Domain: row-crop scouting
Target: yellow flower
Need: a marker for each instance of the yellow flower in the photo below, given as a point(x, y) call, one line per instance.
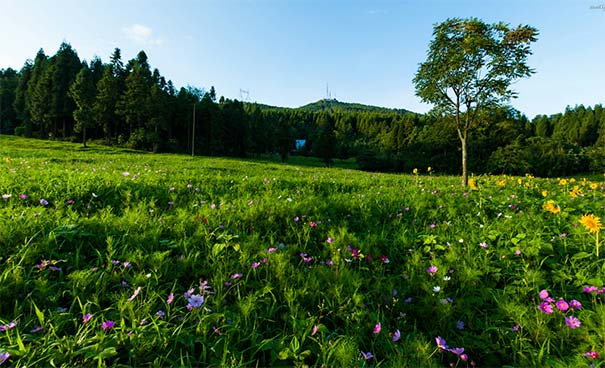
point(563, 181)
point(593, 186)
point(572, 180)
point(501, 183)
point(471, 183)
point(429, 169)
point(544, 193)
point(415, 171)
point(519, 181)
point(575, 192)
point(551, 207)
point(591, 223)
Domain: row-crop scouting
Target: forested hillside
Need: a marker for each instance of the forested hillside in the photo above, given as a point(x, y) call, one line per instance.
point(130, 104)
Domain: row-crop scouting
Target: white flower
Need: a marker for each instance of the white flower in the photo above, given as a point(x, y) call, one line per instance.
point(436, 289)
point(446, 278)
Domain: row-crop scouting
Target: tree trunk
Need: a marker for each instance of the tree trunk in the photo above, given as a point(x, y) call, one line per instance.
point(464, 168)
point(84, 136)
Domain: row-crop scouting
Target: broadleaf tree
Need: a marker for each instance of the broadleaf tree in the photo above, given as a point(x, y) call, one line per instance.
point(470, 67)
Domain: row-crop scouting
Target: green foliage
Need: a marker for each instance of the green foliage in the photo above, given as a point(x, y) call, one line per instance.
point(296, 268)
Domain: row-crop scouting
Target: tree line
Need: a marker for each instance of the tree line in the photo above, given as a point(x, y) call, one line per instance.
point(128, 104)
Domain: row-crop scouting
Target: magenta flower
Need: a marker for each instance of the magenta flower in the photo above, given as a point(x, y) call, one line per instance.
point(546, 307)
point(306, 258)
point(572, 322)
point(271, 250)
point(107, 325)
point(86, 317)
point(377, 328)
point(170, 299)
point(562, 305)
point(592, 354)
point(543, 294)
point(575, 304)
point(23, 196)
point(396, 336)
point(255, 264)
point(329, 263)
point(464, 357)
point(515, 328)
point(432, 270)
point(312, 224)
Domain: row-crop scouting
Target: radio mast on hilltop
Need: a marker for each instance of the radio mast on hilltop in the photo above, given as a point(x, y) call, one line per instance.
point(328, 93)
point(244, 95)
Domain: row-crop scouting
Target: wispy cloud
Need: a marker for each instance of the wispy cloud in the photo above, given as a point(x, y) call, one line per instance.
point(142, 35)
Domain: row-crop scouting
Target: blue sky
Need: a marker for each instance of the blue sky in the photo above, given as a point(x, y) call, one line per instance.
point(286, 52)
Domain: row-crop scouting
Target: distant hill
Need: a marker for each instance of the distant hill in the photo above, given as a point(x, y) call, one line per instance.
point(338, 106)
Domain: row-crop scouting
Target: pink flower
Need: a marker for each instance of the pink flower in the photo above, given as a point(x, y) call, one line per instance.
point(170, 299)
point(543, 294)
point(315, 328)
point(330, 240)
point(86, 317)
point(134, 295)
point(432, 270)
point(562, 305)
point(107, 325)
point(377, 328)
point(255, 264)
point(592, 354)
point(575, 304)
point(546, 307)
point(312, 224)
point(572, 322)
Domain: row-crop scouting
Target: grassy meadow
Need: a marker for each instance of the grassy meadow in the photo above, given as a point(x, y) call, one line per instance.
point(120, 258)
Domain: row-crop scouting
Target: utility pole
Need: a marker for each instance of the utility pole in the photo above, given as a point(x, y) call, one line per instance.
point(193, 133)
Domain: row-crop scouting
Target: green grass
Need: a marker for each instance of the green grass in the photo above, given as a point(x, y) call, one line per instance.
point(297, 265)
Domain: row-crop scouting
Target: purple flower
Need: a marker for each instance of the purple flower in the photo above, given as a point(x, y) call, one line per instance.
point(543, 294)
point(43, 202)
point(315, 328)
point(70, 202)
point(546, 307)
point(367, 356)
point(170, 298)
point(271, 250)
point(127, 264)
point(515, 328)
point(377, 328)
point(296, 219)
point(107, 325)
point(562, 305)
point(590, 289)
point(255, 264)
point(38, 328)
point(396, 336)
point(460, 325)
point(441, 344)
point(330, 240)
point(115, 262)
point(306, 258)
point(23, 196)
point(575, 304)
point(456, 351)
point(432, 270)
point(572, 322)
point(86, 317)
point(160, 314)
point(4, 357)
point(329, 263)
point(195, 300)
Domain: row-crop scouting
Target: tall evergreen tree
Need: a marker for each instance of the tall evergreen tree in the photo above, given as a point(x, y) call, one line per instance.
point(83, 91)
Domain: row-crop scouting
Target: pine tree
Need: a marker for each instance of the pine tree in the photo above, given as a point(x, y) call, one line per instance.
point(83, 93)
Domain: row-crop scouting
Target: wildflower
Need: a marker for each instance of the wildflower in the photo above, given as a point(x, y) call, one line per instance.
point(396, 336)
point(270, 250)
point(546, 307)
point(575, 304)
point(367, 356)
point(592, 354)
point(436, 289)
point(125, 173)
point(446, 278)
point(134, 295)
point(4, 357)
point(195, 300)
point(456, 351)
point(306, 258)
point(160, 314)
point(589, 289)
point(36, 329)
point(115, 262)
point(107, 325)
point(543, 294)
point(315, 328)
point(384, 259)
point(377, 328)
point(428, 169)
point(572, 322)
point(563, 182)
point(236, 276)
point(23, 196)
point(170, 299)
point(216, 330)
point(255, 264)
point(6, 196)
point(591, 223)
point(464, 357)
point(415, 171)
point(43, 202)
point(296, 219)
point(432, 270)
point(483, 245)
point(460, 325)
point(550, 206)
point(330, 240)
point(441, 344)
point(329, 263)
point(562, 305)
point(515, 328)
point(86, 317)
point(471, 183)
point(312, 224)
